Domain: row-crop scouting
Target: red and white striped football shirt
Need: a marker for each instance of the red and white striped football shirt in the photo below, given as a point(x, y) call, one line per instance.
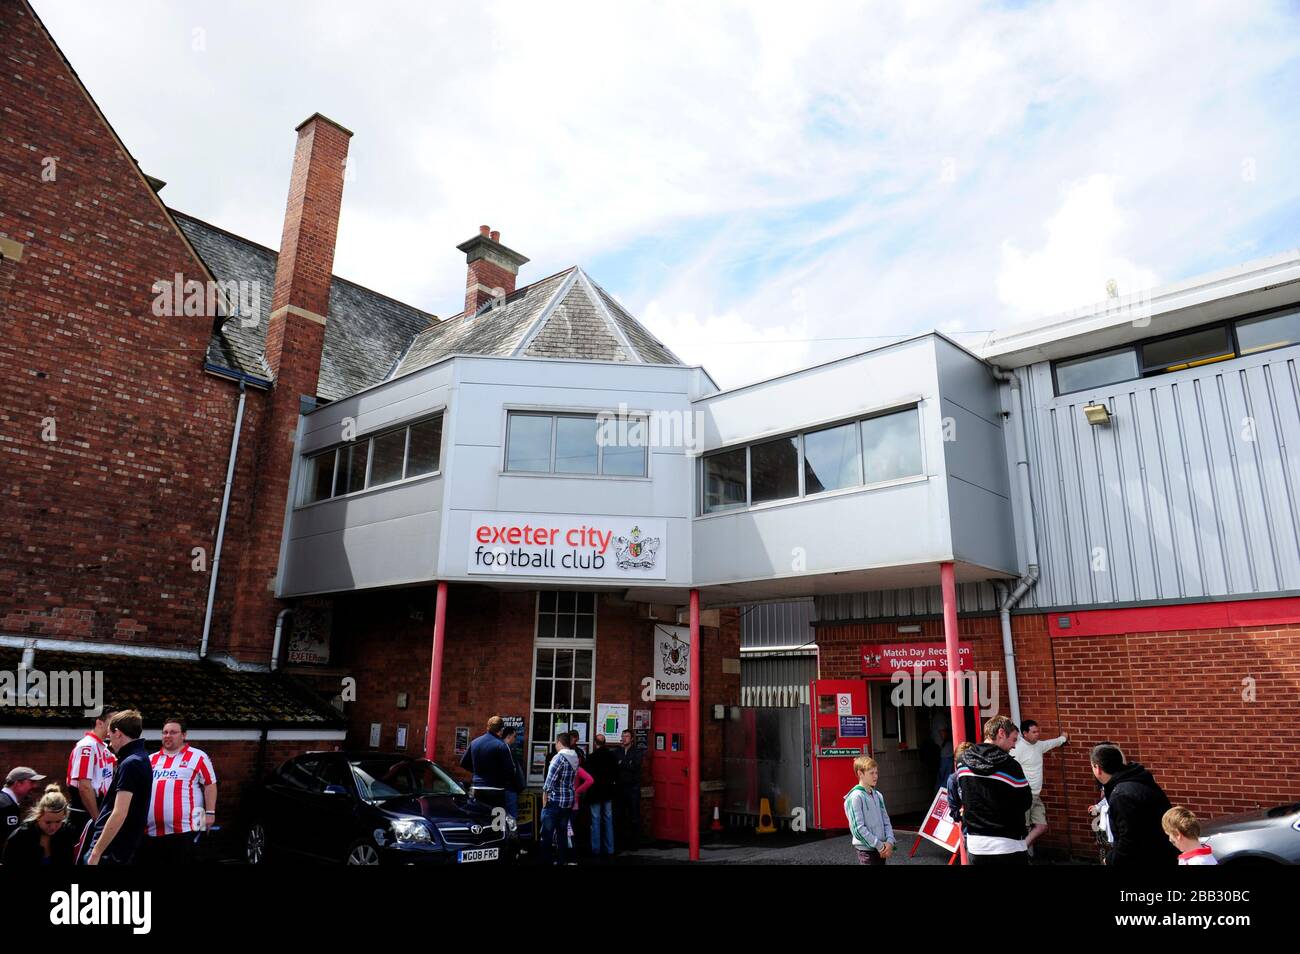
point(91, 759)
point(178, 781)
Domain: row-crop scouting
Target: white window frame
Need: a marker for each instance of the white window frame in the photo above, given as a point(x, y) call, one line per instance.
point(558, 642)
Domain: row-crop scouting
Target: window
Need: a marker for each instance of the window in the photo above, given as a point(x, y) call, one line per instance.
point(774, 470)
point(725, 480)
point(373, 461)
point(1080, 374)
point(578, 444)
point(528, 443)
point(891, 446)
point(831, 460)
point(1203, 346)
point(872, 450)
point(1268, 331)
point(564, 656)
point(1189, 349)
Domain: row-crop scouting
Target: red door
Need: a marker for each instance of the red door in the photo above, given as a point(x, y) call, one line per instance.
point(669, 766)
point(841, 731)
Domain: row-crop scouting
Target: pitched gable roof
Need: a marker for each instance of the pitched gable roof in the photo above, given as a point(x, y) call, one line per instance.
point(566, 315)
point(365, 335)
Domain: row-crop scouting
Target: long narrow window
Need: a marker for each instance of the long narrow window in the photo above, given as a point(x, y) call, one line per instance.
point(579, 444)
point(564, 673)
point(382, 458)
point(872, 450)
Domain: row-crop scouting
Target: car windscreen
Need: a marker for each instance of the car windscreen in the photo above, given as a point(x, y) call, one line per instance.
point(378, 779)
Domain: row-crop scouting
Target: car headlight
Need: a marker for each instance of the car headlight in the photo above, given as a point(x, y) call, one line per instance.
point(411, 831)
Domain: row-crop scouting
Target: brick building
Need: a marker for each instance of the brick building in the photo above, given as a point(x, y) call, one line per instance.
point(340, 498)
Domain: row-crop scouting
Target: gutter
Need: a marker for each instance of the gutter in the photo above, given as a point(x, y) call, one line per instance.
point(221, 524)
point(1009, 597)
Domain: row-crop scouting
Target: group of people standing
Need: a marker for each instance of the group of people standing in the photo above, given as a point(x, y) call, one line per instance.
point(122, 805)
point(607, 781)
point(994, 795)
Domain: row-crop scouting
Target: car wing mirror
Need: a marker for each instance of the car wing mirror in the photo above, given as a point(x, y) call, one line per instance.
point(335, 790)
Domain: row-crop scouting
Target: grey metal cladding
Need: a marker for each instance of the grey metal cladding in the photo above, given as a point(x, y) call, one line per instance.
point(365, 333)
point(972, 598)
point(1188, 493)
point(777, 624)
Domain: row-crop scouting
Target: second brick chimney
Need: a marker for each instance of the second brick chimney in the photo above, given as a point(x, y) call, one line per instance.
point(492, 269)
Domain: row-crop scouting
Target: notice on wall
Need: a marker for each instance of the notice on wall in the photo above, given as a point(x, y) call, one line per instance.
point(567, 545)
point(853, 727)
point(309, 632)
point(885, 659)
point(462, 739)
point(611, 720)
point(672, 662)
point(402, 729)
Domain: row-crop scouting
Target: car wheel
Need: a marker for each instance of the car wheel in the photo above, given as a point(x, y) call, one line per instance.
point(363, 852)
point(255, 846)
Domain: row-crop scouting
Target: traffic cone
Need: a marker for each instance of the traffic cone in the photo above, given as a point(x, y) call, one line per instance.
point(717, 820)
point(765, 826)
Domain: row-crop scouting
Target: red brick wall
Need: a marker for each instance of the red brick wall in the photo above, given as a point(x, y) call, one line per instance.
point(97, 527)
point(488, 665)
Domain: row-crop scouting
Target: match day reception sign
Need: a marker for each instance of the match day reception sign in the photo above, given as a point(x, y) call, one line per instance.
point(885, 659)
point(567, 545)
point(938, 826)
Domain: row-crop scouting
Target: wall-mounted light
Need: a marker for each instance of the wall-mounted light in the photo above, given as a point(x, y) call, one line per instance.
point(1096, 413)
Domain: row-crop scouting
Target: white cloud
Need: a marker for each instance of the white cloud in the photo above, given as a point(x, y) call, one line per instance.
point(1082, 253)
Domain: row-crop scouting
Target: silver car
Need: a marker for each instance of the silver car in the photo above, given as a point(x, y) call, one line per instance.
point(1267, 836)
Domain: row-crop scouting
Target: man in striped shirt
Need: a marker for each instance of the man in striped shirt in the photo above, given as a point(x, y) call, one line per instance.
point(184, 799)
point(90, 772)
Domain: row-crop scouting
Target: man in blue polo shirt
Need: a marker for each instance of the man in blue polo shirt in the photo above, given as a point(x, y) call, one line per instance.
point(121, 824)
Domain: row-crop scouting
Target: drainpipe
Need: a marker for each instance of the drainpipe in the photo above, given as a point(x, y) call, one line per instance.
point(1012, 596)
point(221, 523)
point(279, 629)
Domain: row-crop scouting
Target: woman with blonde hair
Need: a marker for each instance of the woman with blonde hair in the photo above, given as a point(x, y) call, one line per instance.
point(45, 838)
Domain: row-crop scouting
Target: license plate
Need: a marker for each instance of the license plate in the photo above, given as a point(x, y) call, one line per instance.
point(477, 854)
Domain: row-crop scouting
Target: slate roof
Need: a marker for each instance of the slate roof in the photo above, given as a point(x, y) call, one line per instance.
point(566, 315)
point(206, 694)
point(365, 334)
point(371, 338)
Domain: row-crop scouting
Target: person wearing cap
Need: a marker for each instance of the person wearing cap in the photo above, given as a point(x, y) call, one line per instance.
point(18, 785)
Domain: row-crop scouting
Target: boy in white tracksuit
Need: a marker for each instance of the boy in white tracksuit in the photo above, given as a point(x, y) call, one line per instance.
point(864, 807)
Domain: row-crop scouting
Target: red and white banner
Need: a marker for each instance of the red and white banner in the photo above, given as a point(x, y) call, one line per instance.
point(885, 659)
point(938, 827)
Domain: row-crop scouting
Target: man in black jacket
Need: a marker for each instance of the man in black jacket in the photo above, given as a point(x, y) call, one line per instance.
point(492, 765)
point(602, 766)
point(1136, 805)
point(995, 796)
point(628, 793)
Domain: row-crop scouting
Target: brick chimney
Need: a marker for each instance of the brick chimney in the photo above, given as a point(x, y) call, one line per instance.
point(492, 269)
point(305, 267)
point(295, 338)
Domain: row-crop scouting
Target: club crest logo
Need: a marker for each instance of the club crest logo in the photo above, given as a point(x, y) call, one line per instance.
point(635, 551)
point(676, 656)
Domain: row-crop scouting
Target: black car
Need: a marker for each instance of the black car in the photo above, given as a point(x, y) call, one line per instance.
point(371, 808)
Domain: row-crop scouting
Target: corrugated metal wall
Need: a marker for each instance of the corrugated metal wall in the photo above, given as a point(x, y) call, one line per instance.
point(768, 625)
point(1189, 492)
point(922, 601)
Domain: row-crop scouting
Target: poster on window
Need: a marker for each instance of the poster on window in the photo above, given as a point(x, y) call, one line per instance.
point(611, 720)
point(567, 545)
point(672, 662)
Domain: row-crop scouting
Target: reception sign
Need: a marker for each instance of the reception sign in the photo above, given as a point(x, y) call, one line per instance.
point(885, 659)
point(567, 545)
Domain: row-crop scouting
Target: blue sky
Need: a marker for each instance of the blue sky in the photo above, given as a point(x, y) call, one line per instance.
point(765, 184)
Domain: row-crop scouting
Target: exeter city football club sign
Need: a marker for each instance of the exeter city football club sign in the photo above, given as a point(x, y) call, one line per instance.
point(577, 547)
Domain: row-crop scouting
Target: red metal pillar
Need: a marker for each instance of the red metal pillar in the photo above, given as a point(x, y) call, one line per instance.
point(693, 773)
point(948, 580)
point(435, 671)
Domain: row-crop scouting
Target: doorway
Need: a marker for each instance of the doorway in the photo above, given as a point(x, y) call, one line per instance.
point(909, 731)
point(669, 766)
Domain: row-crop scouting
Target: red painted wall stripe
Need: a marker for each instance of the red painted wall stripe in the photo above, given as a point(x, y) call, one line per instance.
point(1151, 619)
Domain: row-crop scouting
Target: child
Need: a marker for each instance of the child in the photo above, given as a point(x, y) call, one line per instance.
point(873, 836)
point(1184, 832)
